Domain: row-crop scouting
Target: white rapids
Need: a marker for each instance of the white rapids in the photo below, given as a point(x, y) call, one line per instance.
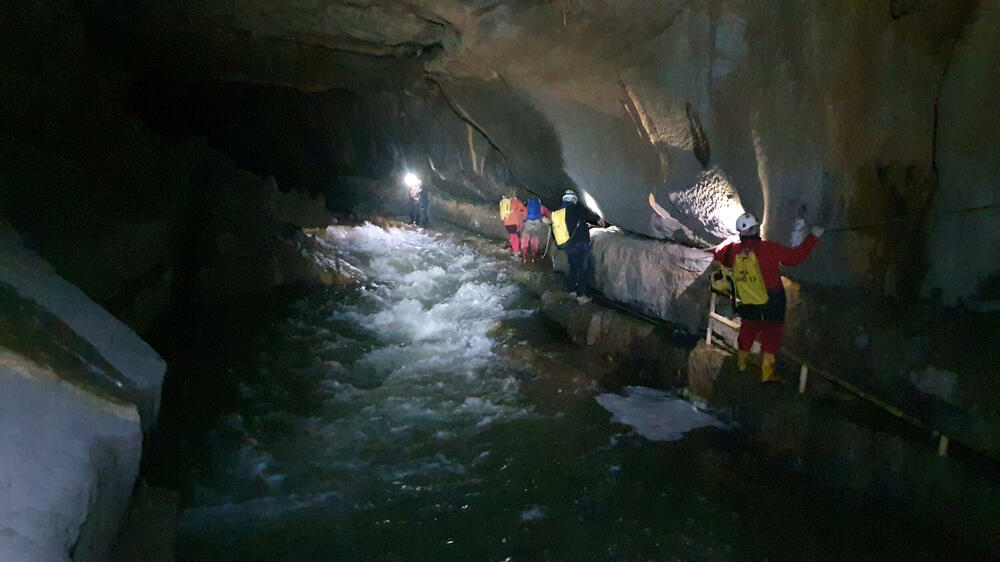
point(404, 366)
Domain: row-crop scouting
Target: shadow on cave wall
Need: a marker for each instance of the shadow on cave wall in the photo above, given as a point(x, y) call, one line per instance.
point(318, 142)
point(522, 134)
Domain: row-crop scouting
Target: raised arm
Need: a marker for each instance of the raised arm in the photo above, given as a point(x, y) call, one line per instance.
point(723, 253)
point(796, 255)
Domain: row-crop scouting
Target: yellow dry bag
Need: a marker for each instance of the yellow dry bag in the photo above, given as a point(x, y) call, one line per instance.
point(504, 208)
point(559, 229)
point(722, 281)
point(748, 280)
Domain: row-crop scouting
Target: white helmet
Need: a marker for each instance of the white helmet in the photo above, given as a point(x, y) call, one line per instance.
point(570, 196)
point(747, 224)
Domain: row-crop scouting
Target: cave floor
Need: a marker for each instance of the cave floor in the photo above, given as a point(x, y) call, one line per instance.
point(430, 413)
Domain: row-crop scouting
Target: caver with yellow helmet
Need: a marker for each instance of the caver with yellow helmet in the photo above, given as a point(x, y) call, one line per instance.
point(759, 292)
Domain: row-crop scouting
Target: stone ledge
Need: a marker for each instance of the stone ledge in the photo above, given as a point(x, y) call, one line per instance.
point(657, 278)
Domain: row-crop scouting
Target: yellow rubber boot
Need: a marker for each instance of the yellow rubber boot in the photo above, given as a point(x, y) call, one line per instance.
point(767, 369)
point(741, 360)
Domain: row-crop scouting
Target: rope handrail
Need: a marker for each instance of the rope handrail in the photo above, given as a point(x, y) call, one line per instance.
point(943, 440)
point(805, 368)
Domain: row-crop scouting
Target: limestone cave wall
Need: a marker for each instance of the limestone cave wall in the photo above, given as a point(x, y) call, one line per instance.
point(872, 119)
point(168, 154)
point(850, 115)
point(135, 134)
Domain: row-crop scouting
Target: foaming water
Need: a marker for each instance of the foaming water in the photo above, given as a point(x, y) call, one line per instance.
point(377, 422)
point(402, 366)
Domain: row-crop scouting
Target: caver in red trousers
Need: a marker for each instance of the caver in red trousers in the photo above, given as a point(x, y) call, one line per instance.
point(764, 322)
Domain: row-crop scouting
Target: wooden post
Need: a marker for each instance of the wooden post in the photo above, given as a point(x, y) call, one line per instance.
point(803, 377)
point(711, 312)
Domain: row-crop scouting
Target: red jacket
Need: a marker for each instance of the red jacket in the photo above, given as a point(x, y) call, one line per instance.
point(517, 213)
point(769, 255)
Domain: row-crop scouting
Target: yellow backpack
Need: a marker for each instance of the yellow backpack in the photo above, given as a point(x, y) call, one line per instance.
point(504, 208)
point(747, 279)
point(559, 229)
point(722, 281)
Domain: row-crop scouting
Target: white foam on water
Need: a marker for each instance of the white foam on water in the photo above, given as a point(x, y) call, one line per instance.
point(404, 368)
point(656, 415)
point(533, 513)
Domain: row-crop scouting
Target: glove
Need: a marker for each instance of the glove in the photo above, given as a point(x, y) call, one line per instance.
point(546, 220)
point(816, 231)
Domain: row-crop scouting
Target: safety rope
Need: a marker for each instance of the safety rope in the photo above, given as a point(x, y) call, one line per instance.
point(943, 440)
point(839, 381)
point(854, 389)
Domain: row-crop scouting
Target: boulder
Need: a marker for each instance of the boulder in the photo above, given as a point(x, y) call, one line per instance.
point(35, 280)
point(703, 369)
point(70, 460)
point(481, 218)
point(642, 350)
point(594, 325)
point(296, 207)
point(660, 279)
point(77, 391)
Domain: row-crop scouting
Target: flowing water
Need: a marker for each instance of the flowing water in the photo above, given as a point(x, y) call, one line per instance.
point(387, 421)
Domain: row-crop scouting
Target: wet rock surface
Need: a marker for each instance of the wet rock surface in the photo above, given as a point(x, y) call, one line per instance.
point(127, 366)
point(72, 459)
point(79, 390)
point(703, 370)
point(662, 280)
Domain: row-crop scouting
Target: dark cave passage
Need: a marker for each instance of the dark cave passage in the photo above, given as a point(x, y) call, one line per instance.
point(221, 340)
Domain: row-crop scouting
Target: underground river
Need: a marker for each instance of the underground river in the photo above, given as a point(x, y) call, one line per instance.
point(428, 412)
